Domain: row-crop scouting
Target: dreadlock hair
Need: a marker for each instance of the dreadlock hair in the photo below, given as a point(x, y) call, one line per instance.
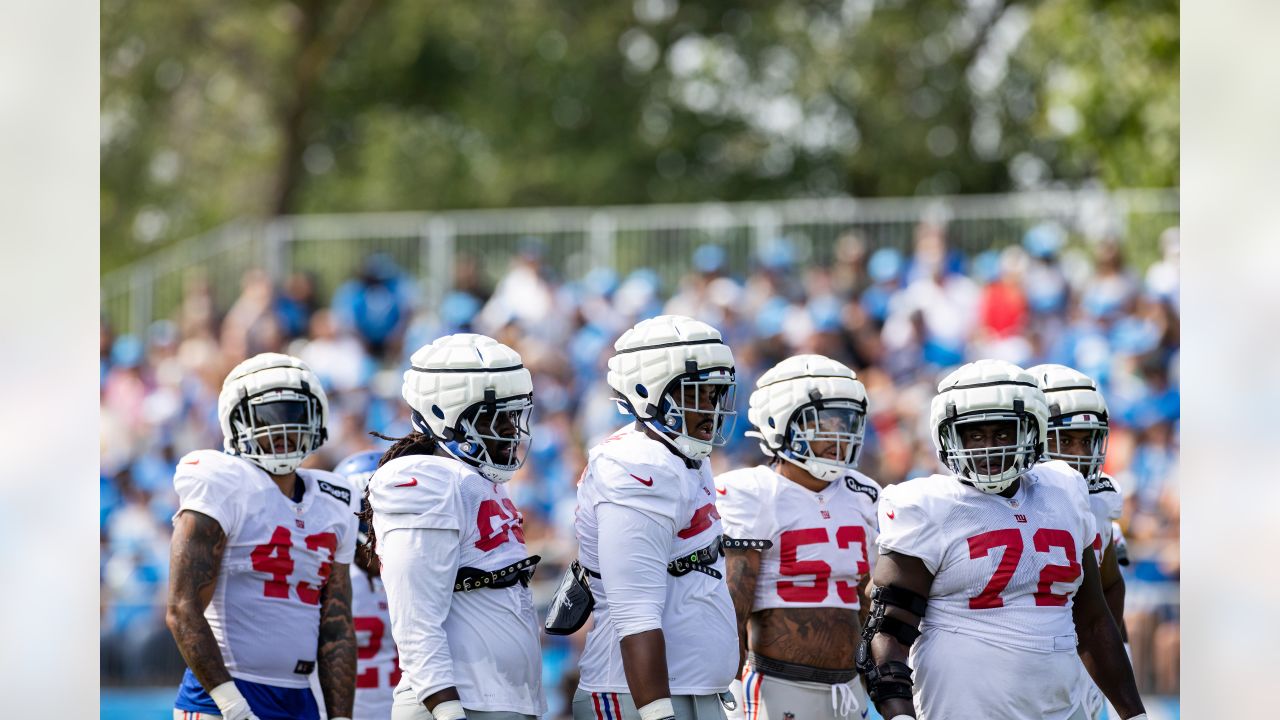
point(415, 443)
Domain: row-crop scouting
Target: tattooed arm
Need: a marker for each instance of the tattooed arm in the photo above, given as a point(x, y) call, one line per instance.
point(337, 651)
point(195, 556)
point(742, 567)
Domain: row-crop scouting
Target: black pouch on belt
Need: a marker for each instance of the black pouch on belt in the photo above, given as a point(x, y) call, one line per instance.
point(572, 604)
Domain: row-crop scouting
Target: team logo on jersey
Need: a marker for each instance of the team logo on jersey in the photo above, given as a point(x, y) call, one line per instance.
point(1020, 518)
point(856, 486)
point(340, 493)
point(647, 483)
point(304, 667)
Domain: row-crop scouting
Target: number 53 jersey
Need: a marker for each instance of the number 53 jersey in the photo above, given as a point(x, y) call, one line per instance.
point(1005, 569)
point(265, 610)
point(823, 542)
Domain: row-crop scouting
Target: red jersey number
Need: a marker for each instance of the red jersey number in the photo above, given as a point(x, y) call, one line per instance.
point(1010, 539)
point(275, 558)
point(498, 523)
point(791, 566)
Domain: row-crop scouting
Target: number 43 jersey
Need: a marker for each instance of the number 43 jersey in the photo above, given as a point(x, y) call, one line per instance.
point(822, 541)
point(265, 611)
point(1005, 569)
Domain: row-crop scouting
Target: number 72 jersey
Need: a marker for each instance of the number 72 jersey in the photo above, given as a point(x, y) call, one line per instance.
point(1005, 569)
point(265, 610)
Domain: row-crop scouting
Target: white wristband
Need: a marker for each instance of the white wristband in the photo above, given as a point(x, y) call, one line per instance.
point(1143, 716)
point(658, 709)
point(231, 704)
point(449, 710)
point(902, 717)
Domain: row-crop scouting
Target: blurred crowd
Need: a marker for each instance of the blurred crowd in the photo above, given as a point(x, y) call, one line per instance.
point(900, 319)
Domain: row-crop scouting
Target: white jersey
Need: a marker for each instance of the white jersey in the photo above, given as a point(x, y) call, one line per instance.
point(492, 633)
point(632, 470)
point(823, 542)
point(1107, 504)
point(265, 611)
point(377, 665)
point(1005, 569)
point(1005, 574)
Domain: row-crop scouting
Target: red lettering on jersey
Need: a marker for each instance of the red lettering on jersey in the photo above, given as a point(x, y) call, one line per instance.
point(275, 559)
point(320, 541)
point(700, 521)
point(510, 523)
point(980, 546)
point(1044, 539)
point(369, 632)
point(790, 566)
point(845, 537)
point(791, 540)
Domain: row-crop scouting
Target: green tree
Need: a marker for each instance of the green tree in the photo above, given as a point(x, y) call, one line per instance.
point(214, 111)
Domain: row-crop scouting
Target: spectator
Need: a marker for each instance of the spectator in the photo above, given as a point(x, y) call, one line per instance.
point(376, 305)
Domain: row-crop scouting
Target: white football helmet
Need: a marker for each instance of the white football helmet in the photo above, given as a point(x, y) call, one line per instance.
point(669, 365)
point(1075, 404)
point(809, 399)
point(983, 392)
point(473, 395)
point(273, 412)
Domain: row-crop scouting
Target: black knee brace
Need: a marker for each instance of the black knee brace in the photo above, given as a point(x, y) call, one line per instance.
point(891, 679)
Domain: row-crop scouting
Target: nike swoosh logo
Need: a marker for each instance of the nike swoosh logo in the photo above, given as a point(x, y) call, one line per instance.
point(411, 483)
point(646, 483)
point(191, 462)
point(722, 492)
point(889, 514)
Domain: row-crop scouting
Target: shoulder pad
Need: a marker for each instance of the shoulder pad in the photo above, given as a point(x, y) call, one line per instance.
point(214, 466)
point(335, 486)
point(744, 480)
point(416, 484)
point(642, 485)
point(1103, 485)
point(859, 483)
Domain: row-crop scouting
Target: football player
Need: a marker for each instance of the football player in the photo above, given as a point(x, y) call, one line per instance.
point(664, 643)
point(450, 541)
point(797, 600)
point(1078, 430)
point(986, 579)
point(259, 589)
point(377, 665)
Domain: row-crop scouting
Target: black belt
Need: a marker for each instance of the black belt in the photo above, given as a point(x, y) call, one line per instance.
point(702, 560)
point(798, 673)
point(470, 578)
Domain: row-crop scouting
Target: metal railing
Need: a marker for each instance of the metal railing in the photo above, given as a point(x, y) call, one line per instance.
point(623, 238)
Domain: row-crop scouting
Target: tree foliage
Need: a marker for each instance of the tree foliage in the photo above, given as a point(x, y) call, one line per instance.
point(212, 111)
